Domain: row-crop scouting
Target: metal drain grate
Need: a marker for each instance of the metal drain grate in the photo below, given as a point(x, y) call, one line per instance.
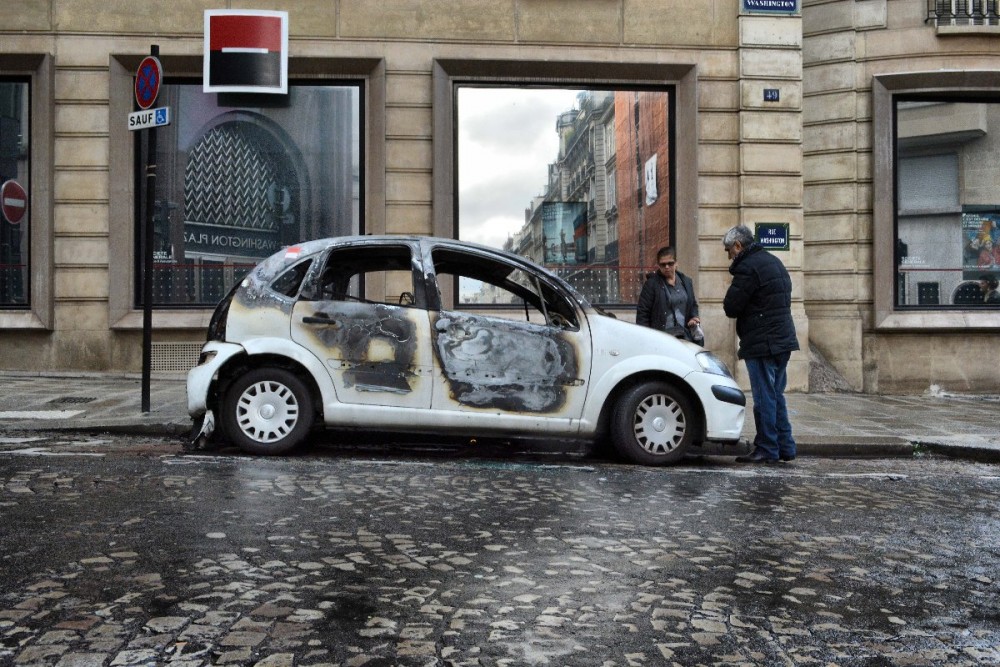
point(66, 400)
point(174, 357)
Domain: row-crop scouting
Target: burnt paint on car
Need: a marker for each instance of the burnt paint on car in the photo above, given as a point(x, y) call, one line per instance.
point(355, 332)
point(503, 364)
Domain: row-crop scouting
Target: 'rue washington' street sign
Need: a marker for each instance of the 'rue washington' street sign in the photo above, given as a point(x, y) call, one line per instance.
point(773, 6)
point(772, 235)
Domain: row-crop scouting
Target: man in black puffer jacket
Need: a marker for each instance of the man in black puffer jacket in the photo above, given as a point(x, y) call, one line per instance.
point(760, 299)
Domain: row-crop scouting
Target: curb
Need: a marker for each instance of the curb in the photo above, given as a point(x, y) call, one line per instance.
point(162, 429)
point(807, 446)
point(961, 452)
point(856, 447)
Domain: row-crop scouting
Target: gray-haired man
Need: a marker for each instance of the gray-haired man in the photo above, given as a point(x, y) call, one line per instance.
point(760, 299)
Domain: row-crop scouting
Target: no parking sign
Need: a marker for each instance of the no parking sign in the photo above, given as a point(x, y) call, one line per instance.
point(14, 201)
point(147, 81)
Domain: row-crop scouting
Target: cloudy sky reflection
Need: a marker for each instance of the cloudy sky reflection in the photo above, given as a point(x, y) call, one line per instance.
point(506, 140)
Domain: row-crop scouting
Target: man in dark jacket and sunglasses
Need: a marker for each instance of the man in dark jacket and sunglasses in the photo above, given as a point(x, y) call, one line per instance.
point(760, 299)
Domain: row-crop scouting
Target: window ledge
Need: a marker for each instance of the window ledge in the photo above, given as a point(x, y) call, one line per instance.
point(963, 320)
point(21, 320)
point(968, 30)
point(166, 319)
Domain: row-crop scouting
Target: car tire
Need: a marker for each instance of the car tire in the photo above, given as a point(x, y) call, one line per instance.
point(267, 411)
point(653, 424)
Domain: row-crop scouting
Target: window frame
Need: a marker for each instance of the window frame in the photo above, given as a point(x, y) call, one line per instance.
point(681, 78)
point(39, 313)
point(374, 268)
point(886, 90)
point(124, 314)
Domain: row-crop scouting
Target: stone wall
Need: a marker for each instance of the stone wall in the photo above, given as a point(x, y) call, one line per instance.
point(847, 172)
point(742, 161)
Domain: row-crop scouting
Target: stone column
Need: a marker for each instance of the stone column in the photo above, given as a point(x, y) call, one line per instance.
point(770, 133)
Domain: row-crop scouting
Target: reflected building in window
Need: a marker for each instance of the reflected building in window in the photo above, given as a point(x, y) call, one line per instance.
point(606, 204)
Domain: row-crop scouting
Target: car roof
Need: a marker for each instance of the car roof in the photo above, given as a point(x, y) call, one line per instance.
point(318, 245)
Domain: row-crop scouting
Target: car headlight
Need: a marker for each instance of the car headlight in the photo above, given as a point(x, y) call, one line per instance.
point(712, 364)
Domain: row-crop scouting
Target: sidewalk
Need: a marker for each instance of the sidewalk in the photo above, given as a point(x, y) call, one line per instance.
point(833, 424)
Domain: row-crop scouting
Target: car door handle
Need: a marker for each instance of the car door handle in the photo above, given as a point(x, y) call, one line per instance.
point(319, 319)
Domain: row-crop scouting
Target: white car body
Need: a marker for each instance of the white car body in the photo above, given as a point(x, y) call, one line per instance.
point(412, 360)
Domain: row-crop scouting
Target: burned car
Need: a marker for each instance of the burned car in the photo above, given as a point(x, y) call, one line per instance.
point(421, 334)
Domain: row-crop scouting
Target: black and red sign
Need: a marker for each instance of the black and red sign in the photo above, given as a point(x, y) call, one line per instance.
point(13, 201)
point(246, 51)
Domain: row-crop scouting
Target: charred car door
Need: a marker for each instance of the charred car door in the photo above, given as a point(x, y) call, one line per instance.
point(506, 341)
point(366, 320)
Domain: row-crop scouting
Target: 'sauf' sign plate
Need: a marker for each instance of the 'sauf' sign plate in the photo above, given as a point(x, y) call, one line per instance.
point(141, 120)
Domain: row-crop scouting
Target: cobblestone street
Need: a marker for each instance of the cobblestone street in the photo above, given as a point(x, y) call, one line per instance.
point(348, 559)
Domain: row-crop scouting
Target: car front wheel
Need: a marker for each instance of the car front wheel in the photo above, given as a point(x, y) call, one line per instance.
point(654, 424)
point(267, 411)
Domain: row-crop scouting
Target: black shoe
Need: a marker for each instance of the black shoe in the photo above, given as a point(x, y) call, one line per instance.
point(756, 456)
point(786, 458)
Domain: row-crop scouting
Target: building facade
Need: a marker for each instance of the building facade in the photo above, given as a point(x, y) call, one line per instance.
point(864, 128)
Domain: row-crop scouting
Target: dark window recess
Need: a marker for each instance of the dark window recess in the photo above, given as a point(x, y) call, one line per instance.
point(968, 294)
point(928, 294)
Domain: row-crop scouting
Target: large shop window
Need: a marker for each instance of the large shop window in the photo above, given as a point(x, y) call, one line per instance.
point(15, 166)
point(947, 203)
point(578, 180)
point(239, 178)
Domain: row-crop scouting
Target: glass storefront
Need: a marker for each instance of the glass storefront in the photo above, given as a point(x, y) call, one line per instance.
point(15, 166)
point(239, 177)
point(947, 203)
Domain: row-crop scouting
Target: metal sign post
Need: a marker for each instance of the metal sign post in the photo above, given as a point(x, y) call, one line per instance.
point(147, 87)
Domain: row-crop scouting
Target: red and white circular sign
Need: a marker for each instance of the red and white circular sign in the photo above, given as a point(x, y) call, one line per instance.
point(14, 201)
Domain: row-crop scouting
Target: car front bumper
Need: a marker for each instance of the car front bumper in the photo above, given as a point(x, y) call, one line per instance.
point(724, 403)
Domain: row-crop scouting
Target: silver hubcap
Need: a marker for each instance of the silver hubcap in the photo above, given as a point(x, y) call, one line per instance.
point(659, 424)
point(267, 411)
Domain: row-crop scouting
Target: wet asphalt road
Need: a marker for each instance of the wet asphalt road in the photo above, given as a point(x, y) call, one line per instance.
point(124, 552)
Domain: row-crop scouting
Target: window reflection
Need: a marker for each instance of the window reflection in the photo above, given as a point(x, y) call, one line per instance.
point(238, 181)
point(948, 209)
point(15, 165)
point(575, 180)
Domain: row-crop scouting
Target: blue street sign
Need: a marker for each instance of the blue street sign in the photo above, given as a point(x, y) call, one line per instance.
point(771, 6)
point(772, 235)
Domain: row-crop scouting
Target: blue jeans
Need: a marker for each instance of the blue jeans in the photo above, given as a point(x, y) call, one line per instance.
point(768, 378)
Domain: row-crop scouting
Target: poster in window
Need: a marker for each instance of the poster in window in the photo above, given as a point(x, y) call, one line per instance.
point(980, 243)
point(650, 174)
point(564, 232)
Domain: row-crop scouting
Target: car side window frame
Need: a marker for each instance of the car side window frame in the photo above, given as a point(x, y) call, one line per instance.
point(364, 261)
point(546, 294)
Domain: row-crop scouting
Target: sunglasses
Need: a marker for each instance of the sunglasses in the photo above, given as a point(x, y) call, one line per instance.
point(664, 264)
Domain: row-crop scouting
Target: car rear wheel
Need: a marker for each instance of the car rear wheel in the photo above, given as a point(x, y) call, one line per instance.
point(653, 424)
point(267, 411)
